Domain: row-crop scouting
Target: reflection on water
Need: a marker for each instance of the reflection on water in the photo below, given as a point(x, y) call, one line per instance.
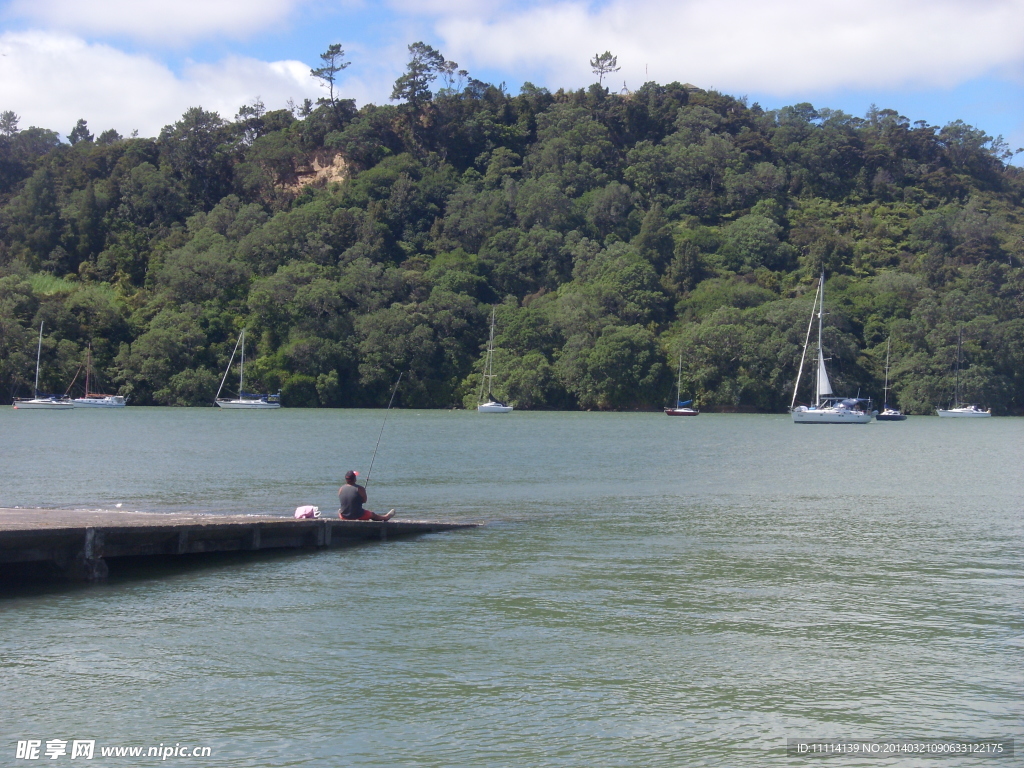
point(647, 592)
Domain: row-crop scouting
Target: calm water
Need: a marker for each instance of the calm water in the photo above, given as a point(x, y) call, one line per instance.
point(647, 592)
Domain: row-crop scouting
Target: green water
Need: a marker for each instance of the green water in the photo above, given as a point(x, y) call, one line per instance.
point(647, 591)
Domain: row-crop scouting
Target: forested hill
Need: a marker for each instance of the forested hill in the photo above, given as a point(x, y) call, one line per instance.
point(612, 231)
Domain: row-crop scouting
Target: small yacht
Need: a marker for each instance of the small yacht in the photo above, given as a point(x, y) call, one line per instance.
point(964, 412)
point(888, 414)
point(100, 401)
point(961, 410)
point(92, 399)
point(681, 408)
point(493, 405)
point(891, 414)
point(42, 402)
point(827, 408)
point(245, 400)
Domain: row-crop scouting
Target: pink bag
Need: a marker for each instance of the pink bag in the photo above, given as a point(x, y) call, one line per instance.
point(308, 511)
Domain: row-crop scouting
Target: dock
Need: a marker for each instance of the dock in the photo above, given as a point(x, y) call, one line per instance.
point(78, 543)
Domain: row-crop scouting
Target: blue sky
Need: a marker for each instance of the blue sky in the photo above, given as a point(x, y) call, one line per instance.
point(137, 65)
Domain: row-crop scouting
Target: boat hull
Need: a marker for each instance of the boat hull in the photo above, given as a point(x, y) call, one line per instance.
point(891, 417)
point(247, 405)
point(964, 413)
point(111, 401)
point(494, 408)
point(681, 412)
point(43, 405)
point(830, 416)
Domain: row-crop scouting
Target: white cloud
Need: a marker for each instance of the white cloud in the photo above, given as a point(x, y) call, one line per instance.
point(155, 20)
point(769, 46)
point(790, 49)
point(52, 80)
point(428, 7)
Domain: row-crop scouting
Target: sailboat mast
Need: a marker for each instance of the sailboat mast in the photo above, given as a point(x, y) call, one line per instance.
point(803, 355)
point(241, 368)
point(959, 344)
point(490, 355)
point(88, 367)
point(885, 389)
point(39, 352)
point(487, 363)
point(679, 378)
point(821, 311)
point(228, 369)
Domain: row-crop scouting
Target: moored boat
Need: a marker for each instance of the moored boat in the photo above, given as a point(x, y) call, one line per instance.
point(100, 401)
point(833, 411)
point(888, 414)
point(681, 408)
point(964, 412)
point(493, 404)
point(891, 414)
point(42, 402)
point(93, 399)
point(250, 401)
point(961, 410)
point(827, 408)
point(245, 400)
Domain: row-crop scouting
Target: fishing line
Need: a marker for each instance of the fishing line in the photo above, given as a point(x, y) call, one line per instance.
point(392, 400)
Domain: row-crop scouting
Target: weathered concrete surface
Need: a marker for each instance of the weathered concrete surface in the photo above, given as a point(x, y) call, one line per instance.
point(79, 542)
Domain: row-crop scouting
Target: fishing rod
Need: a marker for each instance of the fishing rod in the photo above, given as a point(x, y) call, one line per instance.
point(392, 400)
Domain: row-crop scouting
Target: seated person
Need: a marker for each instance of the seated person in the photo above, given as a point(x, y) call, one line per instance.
point(352, 496)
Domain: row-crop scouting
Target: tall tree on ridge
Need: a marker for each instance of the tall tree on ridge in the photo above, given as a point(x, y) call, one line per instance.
point(334, 62)
point(604, 64)
point(80, 132)
point(8, 123)
point(425, 63)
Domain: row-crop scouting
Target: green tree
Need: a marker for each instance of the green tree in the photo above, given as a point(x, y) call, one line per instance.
point(32, 219)
point(425, 64)
point(333, 64)
point(108, 137)
point(654, 242)
point(604, 64)
point(171, 344)
point(199, 150)
point(8, 123)
point(622, 369)
point(80, 133)
point(750, 242)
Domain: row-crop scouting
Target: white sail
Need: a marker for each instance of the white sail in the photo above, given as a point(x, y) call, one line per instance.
point(824, 387)
point(827, 408)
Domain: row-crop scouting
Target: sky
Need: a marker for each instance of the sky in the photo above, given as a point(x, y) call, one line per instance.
point(137, 65)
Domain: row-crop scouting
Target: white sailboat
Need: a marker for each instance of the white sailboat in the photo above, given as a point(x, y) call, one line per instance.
point(48, 402)
point(889, 414)
point(681, 408)
point(92, 399)
point(493, 405)
point(961, 410)
point(245, 400)
point(827, 408)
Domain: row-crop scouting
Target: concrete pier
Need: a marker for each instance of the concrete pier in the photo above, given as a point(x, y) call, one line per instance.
point(78, 543)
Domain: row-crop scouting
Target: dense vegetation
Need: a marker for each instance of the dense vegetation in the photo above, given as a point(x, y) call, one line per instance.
point(611, 231)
